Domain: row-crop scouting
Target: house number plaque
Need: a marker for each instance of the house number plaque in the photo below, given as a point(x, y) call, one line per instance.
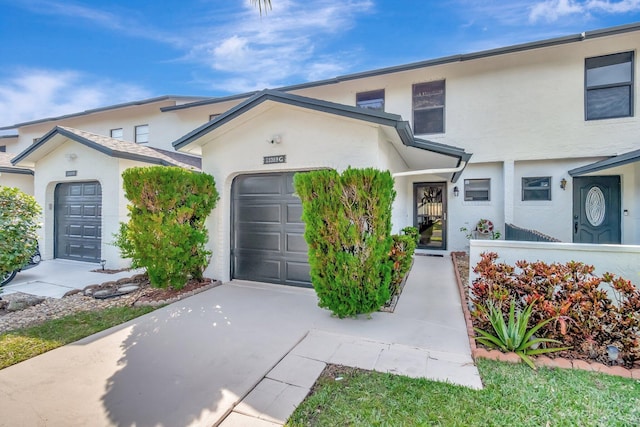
point(269, 160)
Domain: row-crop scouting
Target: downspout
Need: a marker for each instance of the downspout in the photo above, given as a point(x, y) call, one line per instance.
point(432, 171)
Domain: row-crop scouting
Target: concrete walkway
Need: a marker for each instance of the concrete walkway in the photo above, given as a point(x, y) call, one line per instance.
point(240, 354)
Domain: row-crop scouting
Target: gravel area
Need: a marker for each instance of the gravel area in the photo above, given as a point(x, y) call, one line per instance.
point(55, 308)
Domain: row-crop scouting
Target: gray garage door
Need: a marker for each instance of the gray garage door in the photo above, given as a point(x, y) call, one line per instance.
point(78, 221)
point(267, 232)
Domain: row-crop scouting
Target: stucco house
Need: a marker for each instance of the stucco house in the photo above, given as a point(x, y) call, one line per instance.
point(540, 135)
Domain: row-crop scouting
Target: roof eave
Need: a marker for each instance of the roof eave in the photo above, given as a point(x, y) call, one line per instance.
point(19, 171)
point(612, 162)
point(102, 109)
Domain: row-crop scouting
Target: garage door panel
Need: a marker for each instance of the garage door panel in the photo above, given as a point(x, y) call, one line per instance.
point(294, 214)
point(257, 185)
point(268, 242)
point(90, 211)
point(78, 221)
point(252, 267)
point(263, 241)
point(298, 272)
point(255, 213)
point(296, 243)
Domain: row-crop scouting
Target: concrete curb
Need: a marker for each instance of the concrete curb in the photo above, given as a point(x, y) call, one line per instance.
point(539, 361)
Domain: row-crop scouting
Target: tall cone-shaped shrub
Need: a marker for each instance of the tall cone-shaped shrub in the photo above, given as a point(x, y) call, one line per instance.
point(348, 227)
point(166, 232)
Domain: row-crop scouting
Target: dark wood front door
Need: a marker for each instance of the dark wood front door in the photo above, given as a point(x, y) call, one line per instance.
point(596, 209)
point(430, 214)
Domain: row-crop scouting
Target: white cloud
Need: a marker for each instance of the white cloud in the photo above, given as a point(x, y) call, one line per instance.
point(244, 49)
point(30, 94)
point(552, 10)
point(256, 52)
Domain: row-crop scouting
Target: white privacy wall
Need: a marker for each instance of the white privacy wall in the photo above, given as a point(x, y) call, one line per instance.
point(621, 260)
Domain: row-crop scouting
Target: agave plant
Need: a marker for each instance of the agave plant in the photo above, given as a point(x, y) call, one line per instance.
point(513, 334)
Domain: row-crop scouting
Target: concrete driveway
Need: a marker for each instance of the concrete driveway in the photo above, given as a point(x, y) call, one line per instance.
point(192, 363)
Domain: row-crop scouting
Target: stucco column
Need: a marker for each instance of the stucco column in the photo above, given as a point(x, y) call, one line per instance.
point(508, 177)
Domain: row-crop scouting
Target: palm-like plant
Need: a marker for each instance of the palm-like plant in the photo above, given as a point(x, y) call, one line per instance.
point(513, 334)
point(262, 4)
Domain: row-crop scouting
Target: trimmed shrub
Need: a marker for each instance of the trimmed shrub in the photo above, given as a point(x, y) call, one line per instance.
point(348, 226)
point(166, 232)
point(18, 228)
point(413, 233)
point(401, 256)
point(584, 315)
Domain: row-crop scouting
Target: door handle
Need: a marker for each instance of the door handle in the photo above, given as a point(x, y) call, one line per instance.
point(575, 227)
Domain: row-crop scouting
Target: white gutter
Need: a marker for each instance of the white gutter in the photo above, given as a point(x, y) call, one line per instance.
point(431, 171)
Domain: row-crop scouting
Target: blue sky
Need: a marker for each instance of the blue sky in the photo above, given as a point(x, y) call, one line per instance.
point(59, 57)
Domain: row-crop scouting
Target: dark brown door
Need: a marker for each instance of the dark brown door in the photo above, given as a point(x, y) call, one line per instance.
point(596, 209)
point(267, 232)
point(78, 221)
point(430, 214)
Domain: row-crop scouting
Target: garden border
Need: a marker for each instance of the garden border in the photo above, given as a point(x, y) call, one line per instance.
point(511, 357)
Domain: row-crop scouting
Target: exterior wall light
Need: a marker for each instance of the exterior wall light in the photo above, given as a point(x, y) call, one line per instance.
point(276, 139)
point(456, 192)
point(563, 184)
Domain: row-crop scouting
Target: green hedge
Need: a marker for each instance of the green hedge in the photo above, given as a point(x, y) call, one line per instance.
point(18, 228)
point(166, 232)
point(348, 223)
point(401, 255)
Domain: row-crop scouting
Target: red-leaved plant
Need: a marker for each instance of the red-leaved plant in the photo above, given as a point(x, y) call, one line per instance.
point(584, 315)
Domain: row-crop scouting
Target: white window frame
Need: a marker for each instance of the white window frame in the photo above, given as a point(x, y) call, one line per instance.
point(591, 88)
point(142, 134)
point(422, 100)
point(477, 185)
point(528, 189)
point(372, 99)
point(114, 133)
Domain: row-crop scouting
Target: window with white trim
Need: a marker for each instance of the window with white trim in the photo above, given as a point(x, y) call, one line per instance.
point(142, 134)
point(373, 100)
point(609, 86)
point(536, 188)
point(428, 107)
point(477, 190)
point(116, 133)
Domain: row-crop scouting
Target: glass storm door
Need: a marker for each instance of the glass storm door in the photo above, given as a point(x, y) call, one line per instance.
point(596, 209)
point(430, 214)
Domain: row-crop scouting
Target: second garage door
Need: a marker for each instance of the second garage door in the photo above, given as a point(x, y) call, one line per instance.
point(267, 232)
point(78, 221)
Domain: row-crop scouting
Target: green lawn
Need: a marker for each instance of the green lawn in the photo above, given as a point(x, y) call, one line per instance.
point(23, 344)
point(514, 395)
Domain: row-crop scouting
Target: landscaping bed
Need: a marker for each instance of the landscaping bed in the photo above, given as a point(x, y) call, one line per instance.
point(36, 310)
point(575, 358)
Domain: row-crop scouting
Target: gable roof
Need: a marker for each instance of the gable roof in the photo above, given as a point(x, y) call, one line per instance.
point(107, 108)
point(109, 146)
point(574, 38)
point(7, 167)
point(612, 162)
point(392, 121)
